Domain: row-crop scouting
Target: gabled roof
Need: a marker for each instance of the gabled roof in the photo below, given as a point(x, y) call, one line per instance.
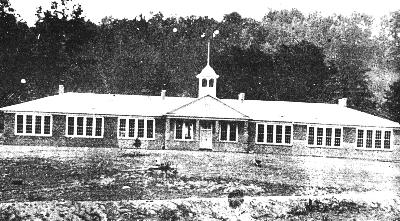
point(207, 72)
point(207, 107)
point(204, 107)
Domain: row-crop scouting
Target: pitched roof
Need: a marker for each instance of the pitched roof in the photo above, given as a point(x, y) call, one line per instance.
point(205, 107)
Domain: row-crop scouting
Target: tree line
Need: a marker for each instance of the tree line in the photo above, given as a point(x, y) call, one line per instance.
point(286, 56)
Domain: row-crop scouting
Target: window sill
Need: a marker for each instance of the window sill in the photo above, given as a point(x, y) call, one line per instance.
point(35, 135)
point(275, 144)
point(227, 141)
point(183, 140)
point(326, 147)
point(75, 136)
point(374, 149)
point(134, 138)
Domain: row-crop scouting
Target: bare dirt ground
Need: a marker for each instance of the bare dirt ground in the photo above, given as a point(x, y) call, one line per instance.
point(50, 174)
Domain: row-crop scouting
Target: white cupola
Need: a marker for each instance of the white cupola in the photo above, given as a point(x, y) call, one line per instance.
point(208, 79)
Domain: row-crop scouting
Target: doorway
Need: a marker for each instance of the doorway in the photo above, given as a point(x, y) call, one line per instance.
point(206, 135)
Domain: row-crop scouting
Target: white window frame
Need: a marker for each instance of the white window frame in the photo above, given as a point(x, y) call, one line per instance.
point(333, 136)
point(228, 131)
point(283, 143)
point(136, 128)
point(94, 125)
point(34, 115)
point(374, 129)
point(184, 122)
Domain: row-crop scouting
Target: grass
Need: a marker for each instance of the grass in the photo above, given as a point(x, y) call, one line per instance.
point(42, 174)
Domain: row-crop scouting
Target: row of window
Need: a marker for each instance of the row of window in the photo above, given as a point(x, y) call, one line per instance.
point(369, 138)
point(85, 126)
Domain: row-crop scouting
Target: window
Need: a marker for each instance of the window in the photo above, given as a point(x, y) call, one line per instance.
point(274, 133)
point(228, 131)
point(324, 136)
point(183, 130)
point(204, 82)
point(32, 125)
point(373, 138)
point(211, 83)
point(82, 126)
point(129, 127)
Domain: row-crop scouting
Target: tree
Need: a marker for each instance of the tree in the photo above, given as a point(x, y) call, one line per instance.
point(393, 101)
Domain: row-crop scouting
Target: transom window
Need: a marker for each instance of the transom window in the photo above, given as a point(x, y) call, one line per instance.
point(184, 130)
point(373, 138)
point(84, 126)
point(274, 133)
point(228, 131)
point(33, 124)
point(136, 128)
point(324, 136)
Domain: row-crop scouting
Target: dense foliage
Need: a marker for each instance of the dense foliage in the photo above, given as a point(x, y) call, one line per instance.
point(285, 56)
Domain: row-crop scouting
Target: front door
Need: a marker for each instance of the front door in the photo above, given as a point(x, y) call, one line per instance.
point(206, 135)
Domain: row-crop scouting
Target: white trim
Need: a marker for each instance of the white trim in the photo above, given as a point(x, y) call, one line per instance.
point(136, 130)
point(183, 129)
point(333, 136)
point(84, 135)
point(266, 124)
point(33, 133)
point(228, 131)
point(374, 129)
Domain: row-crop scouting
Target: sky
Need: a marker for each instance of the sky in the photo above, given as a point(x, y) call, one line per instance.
point(95, 10)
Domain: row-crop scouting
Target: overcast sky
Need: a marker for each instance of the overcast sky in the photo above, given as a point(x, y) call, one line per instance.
point(97, 9)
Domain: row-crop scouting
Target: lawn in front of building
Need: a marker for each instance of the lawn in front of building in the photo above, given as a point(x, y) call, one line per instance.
point(53, 173)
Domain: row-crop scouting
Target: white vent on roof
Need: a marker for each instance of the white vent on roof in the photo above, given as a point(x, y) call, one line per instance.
point(342, 102)
point(163, 92)
point(241, 97)
point(60, 89)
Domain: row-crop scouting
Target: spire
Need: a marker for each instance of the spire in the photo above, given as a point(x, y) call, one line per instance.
point(208, 54)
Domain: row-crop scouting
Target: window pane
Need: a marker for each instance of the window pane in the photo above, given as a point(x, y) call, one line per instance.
point(260, 133)
point(28, 125)
point(38, 124)
point(270, 133)
point(386, 143)
point(368, 142)
point(122, 127)
point(20, 124)
point(141, 128)
point(338, 135)
point(360, 138)
point(211, 83)
point(378, 139)
point(99, 126)
point(204, 83)
point(178, 130)
point(224, 131)
point(288, 134)
point(188, 130)
point(311, 135)
point(79, 126)
point(47, 125)
point(131, 132)
point(70, 125)
point(89, 126)
point(320, 135)
point(150, 129)
point(278, 138)
point(232, 132)
point(328, 137)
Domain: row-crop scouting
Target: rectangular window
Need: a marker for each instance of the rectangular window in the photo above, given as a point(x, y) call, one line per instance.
point(32, 125)
point(178, 130)
point(79, 126)
point(360, 138)
point(20, 124)
point(232, 132)
point(378, 139)
point(320, 136)
point(228, 131)
point(122, 127)
point(150, 128)
point(140, 128)
point(328, 136)
point(131, 132)
point(188, 130)
point(278, 137)
point(260, 133)
point(368, 142)
point(89, 126)
point(47, 124)
point(28, 124)
point(311, 136)
point(183, 130)
point(338, 135)
point(38, 124)
point(224, 131)
point(288, 134)
point(386, 143)
point(71, 125)
point(270, 133)
point(99, 127)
